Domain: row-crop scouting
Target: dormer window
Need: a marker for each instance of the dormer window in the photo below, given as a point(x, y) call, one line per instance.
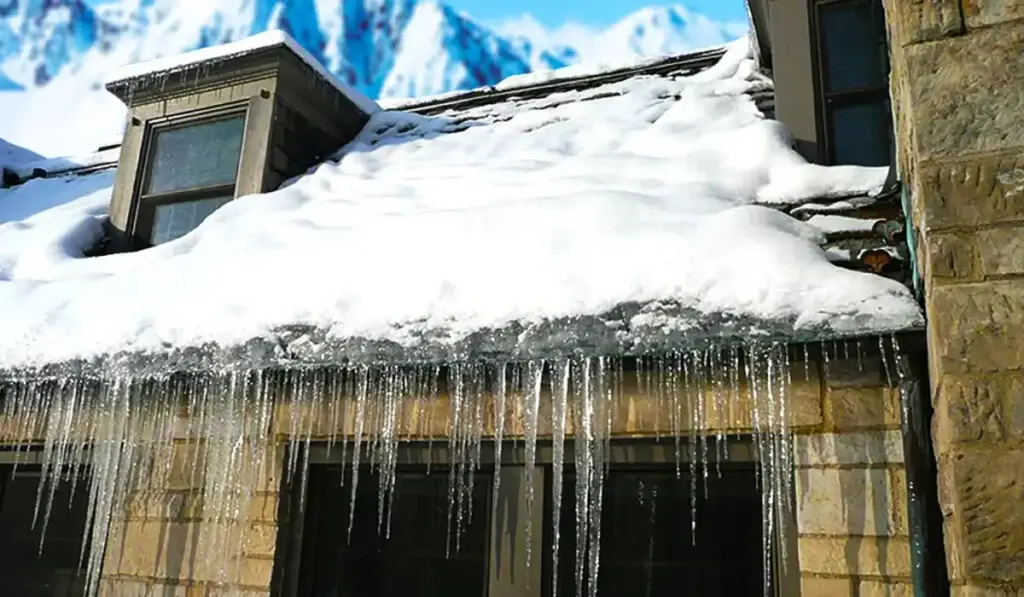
point(191, 169)
point(830, 63)
point(219, 123)
point(853, 63)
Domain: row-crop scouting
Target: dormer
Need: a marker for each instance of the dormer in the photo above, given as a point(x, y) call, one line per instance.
point(209, 126)
point(830, 63)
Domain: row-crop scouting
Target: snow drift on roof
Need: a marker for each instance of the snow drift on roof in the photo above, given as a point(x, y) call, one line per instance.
point(242, 47)
point(627, 215)
point(12, 155)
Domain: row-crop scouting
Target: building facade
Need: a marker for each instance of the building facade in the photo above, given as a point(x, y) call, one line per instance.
point(873, 464)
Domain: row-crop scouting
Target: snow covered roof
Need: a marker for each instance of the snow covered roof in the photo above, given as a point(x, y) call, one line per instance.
point(642, 215)
point(13, 156)
point(243, 47)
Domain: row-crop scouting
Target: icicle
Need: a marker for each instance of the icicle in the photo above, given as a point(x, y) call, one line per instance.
point(387, 435)
point(885, 361)
point(500, 394)
point(702, 416)
point(676, 416)
point(690, 375)
point(531, 403)
point(559, 402)
point(897, 354)
point(362, 388)
point(721, 408)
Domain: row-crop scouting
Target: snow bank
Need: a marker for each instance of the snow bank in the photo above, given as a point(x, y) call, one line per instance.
point(248, 45)
point(430, 230)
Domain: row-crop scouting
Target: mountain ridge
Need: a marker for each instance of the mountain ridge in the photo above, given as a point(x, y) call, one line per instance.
point(60, 51)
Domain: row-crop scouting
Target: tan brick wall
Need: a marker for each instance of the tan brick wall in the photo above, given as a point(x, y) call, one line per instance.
point(851, 492)
point(957, 84)
point(168, 544)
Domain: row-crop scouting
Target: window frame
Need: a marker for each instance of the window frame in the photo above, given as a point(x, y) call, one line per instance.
point(144, 205)
point(28, 463)
point(829, 101)
point(632, 453)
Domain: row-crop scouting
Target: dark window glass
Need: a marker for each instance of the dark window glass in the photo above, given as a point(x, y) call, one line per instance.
point(195, 156)
point(853, 44)
point(417, 557)
point(174, 220)
point(854, 61)
point(25, 571)
point(861, 133)
point(647, 546)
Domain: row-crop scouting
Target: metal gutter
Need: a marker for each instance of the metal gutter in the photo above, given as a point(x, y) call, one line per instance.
point(927, 548)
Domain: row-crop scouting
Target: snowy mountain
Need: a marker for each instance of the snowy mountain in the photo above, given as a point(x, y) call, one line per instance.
point(652, 31)
point(61, 50)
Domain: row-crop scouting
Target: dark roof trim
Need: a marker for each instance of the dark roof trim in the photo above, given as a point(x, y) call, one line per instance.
point(686, 64)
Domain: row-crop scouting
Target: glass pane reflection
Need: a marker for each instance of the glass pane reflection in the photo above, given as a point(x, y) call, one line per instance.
point(174, 220)
point(195, 156)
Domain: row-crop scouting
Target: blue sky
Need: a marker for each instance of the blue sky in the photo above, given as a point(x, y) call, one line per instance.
point(591, 12)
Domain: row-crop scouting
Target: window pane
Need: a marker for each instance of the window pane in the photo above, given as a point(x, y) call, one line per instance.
point(417, 557)
point(853, 38)
point(861, 134)
point(174, 220)
point(647, 545)
point(54, 572)
point(195, 156)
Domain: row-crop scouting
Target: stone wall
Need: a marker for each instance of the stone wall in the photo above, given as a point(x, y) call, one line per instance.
point(851, 504)
point(167, 546)
point(958, 91)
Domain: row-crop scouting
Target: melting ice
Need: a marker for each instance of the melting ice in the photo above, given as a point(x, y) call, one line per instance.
point(129, 433)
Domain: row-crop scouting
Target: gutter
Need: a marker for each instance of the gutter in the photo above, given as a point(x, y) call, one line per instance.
point(924, 517)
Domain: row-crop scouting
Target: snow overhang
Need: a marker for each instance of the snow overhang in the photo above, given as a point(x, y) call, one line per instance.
point(185, 73)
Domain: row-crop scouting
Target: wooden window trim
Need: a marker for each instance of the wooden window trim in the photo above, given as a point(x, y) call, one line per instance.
point(143, 209)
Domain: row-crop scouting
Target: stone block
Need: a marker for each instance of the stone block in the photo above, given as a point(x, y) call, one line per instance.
point(973, 408)
point(125, 587)
point(899, 501)
point(915, 21)
point(194, 551)
point(845, 502)
point(1002, 250)
point(970, 192)
point(973, 591)
point(983, 13)
point(952, 544)
point(852, 448)
point(261, 540)
point(816, 586)
point(977, 327)
point(964, 96)
point(876, 588)
point(951, 256)
point(989, 491)
point(866, 408)
point(887, 557)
